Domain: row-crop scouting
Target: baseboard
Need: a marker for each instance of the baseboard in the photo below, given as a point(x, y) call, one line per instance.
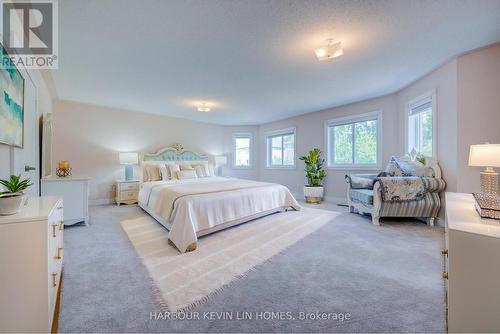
point(329, 199)
point(101, 201)
point(336, 200)
point(439, 222)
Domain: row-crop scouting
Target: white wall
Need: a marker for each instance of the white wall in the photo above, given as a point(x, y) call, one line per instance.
point(90, 138)
point(444, 82)
point(478, 109)
point(311, 133)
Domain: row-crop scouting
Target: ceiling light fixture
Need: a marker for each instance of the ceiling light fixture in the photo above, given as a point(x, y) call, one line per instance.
point(329, 51)
point(203, 108)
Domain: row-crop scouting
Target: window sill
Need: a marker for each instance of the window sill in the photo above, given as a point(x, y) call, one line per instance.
point(367, 168)
point(281, 167)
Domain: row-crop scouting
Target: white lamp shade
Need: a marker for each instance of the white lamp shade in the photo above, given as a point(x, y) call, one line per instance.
point(130, 158)
point(220, 160)
point(485, 155)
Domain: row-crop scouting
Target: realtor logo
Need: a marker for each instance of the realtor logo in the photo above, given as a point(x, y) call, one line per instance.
point(30, 34)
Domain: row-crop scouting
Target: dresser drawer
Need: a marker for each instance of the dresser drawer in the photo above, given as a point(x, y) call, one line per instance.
point(56, 224)
point(128, 195)
point(129, 187)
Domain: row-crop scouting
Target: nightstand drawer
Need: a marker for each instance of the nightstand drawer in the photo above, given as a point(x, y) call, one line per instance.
point(129, 187)
point(128, 195)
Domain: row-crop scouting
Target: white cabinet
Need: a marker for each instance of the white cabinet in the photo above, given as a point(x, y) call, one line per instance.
point(75, 192)
point(31, 257)
point(473, 267)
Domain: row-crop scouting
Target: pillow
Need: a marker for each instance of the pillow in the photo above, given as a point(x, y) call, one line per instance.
point(173, 170)
point(153, 172)
point(408, 168)
point(165, 174)
point(200, 171)
point(392, 168)
point(211, 171)
point(186, 174)
point(145, 176)
point(186, 167)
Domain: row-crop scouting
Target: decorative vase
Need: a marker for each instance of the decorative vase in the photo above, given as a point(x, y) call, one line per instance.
point(10, 203)
point(313, 195)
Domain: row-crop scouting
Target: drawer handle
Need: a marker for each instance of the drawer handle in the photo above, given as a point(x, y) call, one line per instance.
point(61, 225)
point(54, 230)
point(444, 251)
point(58, 255)
point(54, 279)
point(445, 274)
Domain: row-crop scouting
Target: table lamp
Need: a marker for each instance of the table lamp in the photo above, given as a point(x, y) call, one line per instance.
point(129, 159)
point(220, 161)
point(488, 156)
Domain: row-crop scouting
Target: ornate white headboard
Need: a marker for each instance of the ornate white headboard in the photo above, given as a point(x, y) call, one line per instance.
point(175, 154)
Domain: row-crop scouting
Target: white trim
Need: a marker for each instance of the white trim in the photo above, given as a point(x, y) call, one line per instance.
point(432, 94)
point(248, 135)
point(377, 115)
point(281, 132)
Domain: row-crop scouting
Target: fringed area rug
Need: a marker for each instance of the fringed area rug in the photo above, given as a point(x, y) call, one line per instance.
point(185, 280)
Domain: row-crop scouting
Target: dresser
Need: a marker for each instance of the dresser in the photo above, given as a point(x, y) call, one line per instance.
point(472, 274)
point(31, 258)
point(127, 191)
point(75, 192)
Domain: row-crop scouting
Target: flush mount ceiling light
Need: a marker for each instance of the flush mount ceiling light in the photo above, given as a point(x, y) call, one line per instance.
point(329, 51)
point(203, 108)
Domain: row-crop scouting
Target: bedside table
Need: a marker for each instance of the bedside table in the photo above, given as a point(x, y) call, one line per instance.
point(127, 192)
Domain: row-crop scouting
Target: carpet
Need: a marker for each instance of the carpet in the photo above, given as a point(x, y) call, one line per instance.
point(183, 281)
point(387, 277)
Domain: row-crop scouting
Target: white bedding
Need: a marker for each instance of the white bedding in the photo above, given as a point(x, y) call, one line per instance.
point(195, 205)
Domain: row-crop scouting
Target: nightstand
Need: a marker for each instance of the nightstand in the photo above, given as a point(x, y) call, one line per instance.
point(127, 192)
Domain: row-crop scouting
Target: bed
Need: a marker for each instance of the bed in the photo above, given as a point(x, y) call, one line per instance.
point(194, 206)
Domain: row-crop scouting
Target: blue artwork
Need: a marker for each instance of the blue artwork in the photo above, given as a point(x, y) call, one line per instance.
point(11, 103)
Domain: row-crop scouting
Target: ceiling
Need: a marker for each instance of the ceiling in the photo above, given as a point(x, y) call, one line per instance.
point(253, 60)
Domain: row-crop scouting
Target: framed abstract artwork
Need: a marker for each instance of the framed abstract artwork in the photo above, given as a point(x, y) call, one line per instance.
point(11, 103)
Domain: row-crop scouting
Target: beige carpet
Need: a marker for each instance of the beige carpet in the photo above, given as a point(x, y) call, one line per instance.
point(185, 280)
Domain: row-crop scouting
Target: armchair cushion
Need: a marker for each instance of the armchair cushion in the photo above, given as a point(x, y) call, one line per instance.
point(364, 196)
point(361, 181)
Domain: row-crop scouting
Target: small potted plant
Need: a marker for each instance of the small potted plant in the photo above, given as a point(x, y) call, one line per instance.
point(12, 199)
point(313, 190)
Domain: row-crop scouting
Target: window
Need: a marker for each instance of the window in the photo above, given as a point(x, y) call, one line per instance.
point(281, 149)
point(421, 125)
point(354, 141)
point(242, 150)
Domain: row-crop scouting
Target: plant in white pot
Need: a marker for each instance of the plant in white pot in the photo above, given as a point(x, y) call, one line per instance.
point(12, 199)
point(313, 190)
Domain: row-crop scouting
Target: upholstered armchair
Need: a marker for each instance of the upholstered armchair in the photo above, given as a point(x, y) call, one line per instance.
point(400, 194)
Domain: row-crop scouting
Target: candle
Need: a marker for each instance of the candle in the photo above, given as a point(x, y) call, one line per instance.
point(63, 165)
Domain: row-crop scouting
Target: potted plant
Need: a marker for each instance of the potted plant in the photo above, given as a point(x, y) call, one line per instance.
point(12, 199)
point(313, 190)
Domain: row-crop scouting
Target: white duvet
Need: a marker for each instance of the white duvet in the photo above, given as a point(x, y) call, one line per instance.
point(195, 205)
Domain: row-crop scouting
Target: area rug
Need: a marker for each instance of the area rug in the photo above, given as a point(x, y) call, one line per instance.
point(182, 281)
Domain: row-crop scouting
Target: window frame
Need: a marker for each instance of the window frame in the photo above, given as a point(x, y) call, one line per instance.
point(374, 115)
point(277, 133)
point(432, 95)
point(248, 135)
